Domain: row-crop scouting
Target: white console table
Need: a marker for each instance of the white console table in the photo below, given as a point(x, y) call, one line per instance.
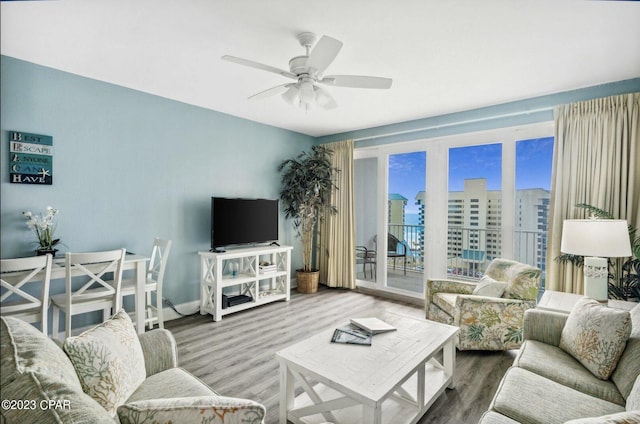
point(216, 273)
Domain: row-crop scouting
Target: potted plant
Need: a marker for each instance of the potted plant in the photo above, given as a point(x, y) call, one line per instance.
point(44, 227)
point(307, 181)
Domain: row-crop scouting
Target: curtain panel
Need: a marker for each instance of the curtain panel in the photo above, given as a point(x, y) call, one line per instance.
point(337, 232)
point(596, 161)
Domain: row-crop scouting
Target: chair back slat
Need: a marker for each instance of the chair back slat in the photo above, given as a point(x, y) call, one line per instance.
point(94, 266)
point(15, 274)
point(158, 261)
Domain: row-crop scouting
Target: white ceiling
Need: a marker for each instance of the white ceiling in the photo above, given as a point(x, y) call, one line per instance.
point(443, 56)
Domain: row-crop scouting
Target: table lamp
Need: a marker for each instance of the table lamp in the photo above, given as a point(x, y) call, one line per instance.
point(596, 239)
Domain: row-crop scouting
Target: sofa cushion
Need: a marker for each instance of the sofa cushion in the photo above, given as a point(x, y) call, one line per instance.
point(628, 367)
point(36, 370)
point(530, 398)
point(166, 384)
point(487, 286)
point(556, 364)
point(596, 336)
point(446, 302)
point(108, 360)
point(492, 417)
point(203, 409)
point(627, 417)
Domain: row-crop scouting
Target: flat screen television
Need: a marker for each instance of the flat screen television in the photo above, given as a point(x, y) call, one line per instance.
point(243, 221)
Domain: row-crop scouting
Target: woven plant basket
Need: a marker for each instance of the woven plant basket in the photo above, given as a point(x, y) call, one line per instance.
point(307, 281)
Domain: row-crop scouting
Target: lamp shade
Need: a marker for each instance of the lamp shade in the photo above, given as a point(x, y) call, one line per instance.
point(608, 238)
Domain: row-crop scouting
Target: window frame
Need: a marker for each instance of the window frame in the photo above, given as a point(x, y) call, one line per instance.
point(437, 151)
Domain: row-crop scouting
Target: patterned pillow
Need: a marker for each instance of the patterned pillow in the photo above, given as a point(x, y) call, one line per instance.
point(108, 360)
point(522, 282)
point(596, 336)
point(487, 286)
point(200, 409)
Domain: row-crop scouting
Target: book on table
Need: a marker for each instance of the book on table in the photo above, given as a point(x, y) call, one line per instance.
point(372, 325)
point(350, 334)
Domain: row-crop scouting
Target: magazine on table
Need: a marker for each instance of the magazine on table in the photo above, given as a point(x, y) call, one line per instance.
point(372, 325)
point(351, 334)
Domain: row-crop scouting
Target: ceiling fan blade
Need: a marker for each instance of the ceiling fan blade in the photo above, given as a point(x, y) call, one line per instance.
point(324, 99)
point(279, 89)
point(357, 81)
point(261, 66)
point(324, 52)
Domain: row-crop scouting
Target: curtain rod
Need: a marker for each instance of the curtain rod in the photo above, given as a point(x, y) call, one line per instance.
point(452, 124)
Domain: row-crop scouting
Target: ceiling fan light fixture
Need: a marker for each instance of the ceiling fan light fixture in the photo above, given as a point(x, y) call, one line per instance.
point(308, 71)
point(324, 99)
point(291, 94)
point(307, 93)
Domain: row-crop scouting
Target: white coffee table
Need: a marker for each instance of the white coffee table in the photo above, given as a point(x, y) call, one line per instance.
point(393, 381)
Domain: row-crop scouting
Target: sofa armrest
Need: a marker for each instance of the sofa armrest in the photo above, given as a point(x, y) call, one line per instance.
point(490, 323)
point(544, 326)
point(218, 409)
point(447, 286)
point(160, 351)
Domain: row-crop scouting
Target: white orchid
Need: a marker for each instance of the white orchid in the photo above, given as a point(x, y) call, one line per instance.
point(44, 227)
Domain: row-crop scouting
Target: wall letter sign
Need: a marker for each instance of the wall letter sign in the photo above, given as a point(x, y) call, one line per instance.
point(31, 158)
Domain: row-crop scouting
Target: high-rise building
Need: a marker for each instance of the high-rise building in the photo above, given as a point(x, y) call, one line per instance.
point(475, 226)
point(396, 206)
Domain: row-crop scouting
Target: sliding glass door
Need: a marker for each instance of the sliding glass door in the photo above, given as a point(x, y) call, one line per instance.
point(405, 220)
point(446, 207)
point(366, 210)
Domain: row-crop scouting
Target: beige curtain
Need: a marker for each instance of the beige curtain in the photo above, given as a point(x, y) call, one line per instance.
point(337, 232)
point(596, 161)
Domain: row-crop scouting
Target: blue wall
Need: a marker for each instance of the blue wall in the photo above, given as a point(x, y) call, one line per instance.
point(130, 166)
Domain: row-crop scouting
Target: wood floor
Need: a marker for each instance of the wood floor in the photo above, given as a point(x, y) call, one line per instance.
point(236, 355)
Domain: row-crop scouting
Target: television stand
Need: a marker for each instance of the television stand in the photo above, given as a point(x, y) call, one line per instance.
point(263, 284)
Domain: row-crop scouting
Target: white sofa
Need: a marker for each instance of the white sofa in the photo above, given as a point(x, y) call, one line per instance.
point(547, 385)
point(86, 382)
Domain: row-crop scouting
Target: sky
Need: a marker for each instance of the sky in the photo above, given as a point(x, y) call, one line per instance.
point(533, 168)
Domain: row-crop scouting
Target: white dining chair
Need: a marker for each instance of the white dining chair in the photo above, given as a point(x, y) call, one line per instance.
point(153, 283)
point(17, 300)
point(96, 294)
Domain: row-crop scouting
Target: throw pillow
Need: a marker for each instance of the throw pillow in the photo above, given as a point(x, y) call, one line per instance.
point(596, 336)
point(38, 375)
point(108, 360)
point(487, 286)
point(198, 409)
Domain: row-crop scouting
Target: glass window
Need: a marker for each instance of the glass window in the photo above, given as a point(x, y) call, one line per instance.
point(534, 159)
point(475, 180)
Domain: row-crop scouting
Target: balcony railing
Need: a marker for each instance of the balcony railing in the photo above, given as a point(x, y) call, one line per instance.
point(469, 250)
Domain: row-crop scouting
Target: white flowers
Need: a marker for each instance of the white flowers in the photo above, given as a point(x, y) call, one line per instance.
point(43, 226)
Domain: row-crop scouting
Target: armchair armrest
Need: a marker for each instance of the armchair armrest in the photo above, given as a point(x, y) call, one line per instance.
point(160, 351)
point(447, 286)
point(544, 326)
point(218, 409)
point(490, 323)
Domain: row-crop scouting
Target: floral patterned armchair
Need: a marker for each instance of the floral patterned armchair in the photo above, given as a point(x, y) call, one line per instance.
point(485, 322)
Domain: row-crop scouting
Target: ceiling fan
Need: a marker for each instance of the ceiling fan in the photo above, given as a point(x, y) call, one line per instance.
point(308, 70)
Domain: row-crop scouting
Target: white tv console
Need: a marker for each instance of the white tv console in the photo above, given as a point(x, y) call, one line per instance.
point(216, 273)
